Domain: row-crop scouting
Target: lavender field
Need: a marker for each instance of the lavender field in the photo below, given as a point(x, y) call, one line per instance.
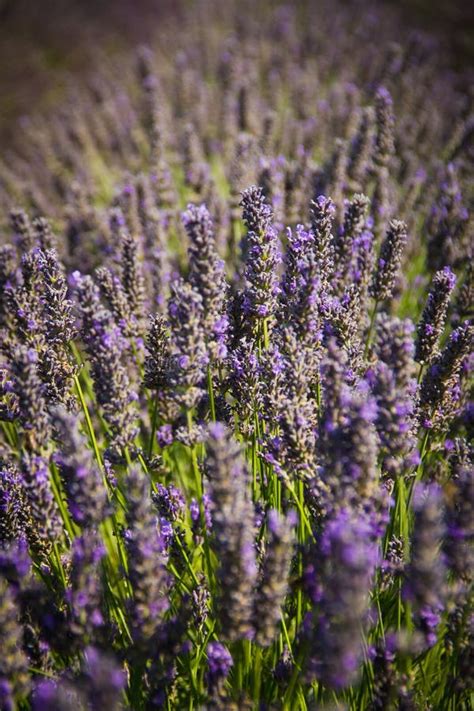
point(236, 336)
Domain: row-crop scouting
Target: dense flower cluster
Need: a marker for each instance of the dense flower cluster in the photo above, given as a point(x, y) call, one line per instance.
point(235, 397)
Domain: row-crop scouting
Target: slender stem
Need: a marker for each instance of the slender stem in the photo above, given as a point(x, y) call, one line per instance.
point(285, 634)
point(419, 469)
point(128, 458)
point(194, 462)
point(57, 489)
point(300, 508)
point(186, 560)
point(8, 435)
point(143, 463)
point(257, 675)
point(318, 396)
point(112, 494)
point(199, 492)
point(288, 700)
point(420, 374)
point(210, 389)
point(88, 423)
point(154, 421)
point(266, 339)
point(59, 564)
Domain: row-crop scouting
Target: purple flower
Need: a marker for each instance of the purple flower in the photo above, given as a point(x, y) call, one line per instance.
point(84, 595)
point(273, 584)
point(433, 318)
point(207, 276)
point(106, 347)
point(384, 278)
point(87, 496)
point(384, 137)
point(262, 257)
point(164, 435)
point(146, 563)
point(340, 582)
point(233, 532)
point(189, 356)
point(425, 583)
point(219, 662)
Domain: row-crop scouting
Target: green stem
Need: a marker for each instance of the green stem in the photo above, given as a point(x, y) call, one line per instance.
point(420, 374)
point(257, 675)
point(266, 339)
point(286, 636)
point(210, 389)
point(59, 564)
point(199, 493)
point(194, 461)
point(143, 463)
point(8, 435)
point(419, 469)
point(128, 458)
point(90, 428)
point(154, 422)
point(300, 508)
point(187, 561)
point(57, 491)
point(288, 698)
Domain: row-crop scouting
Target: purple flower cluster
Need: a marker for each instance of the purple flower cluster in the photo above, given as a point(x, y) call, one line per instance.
point(340, 580)
point(426, 574)
point(236, 372)
point(261, 253)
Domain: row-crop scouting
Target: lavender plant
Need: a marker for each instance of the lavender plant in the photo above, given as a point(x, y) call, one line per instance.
point(236, 373)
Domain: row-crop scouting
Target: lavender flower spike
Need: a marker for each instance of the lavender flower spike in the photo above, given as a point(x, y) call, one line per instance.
point(433, 318)
point(56, 364)
point(44, 526)
point(145, 561)
point(102, 680)
point(389, 261)
point(32, 409)
point(425, 585)
point(256, 214)
point(233, 535)
point(342, 579)
point(84, 596)
point(384, 138)
point(442, 375)
point(394, 346)
point(322, 212)
point(207, 276)
point(189, 356)
point(87, 497)
point(13, 662)
point(219, 662)
point(131, 269)
point(157, 346)
point(394, 420)
point(460, 524)
point(355, 220)
point(13, 506)
point(105, 347)
point(350, 451)
point(273, 584)
point(262, 257)
point(21, 226)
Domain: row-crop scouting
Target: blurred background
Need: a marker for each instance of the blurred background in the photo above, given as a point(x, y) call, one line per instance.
point(44, 44)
